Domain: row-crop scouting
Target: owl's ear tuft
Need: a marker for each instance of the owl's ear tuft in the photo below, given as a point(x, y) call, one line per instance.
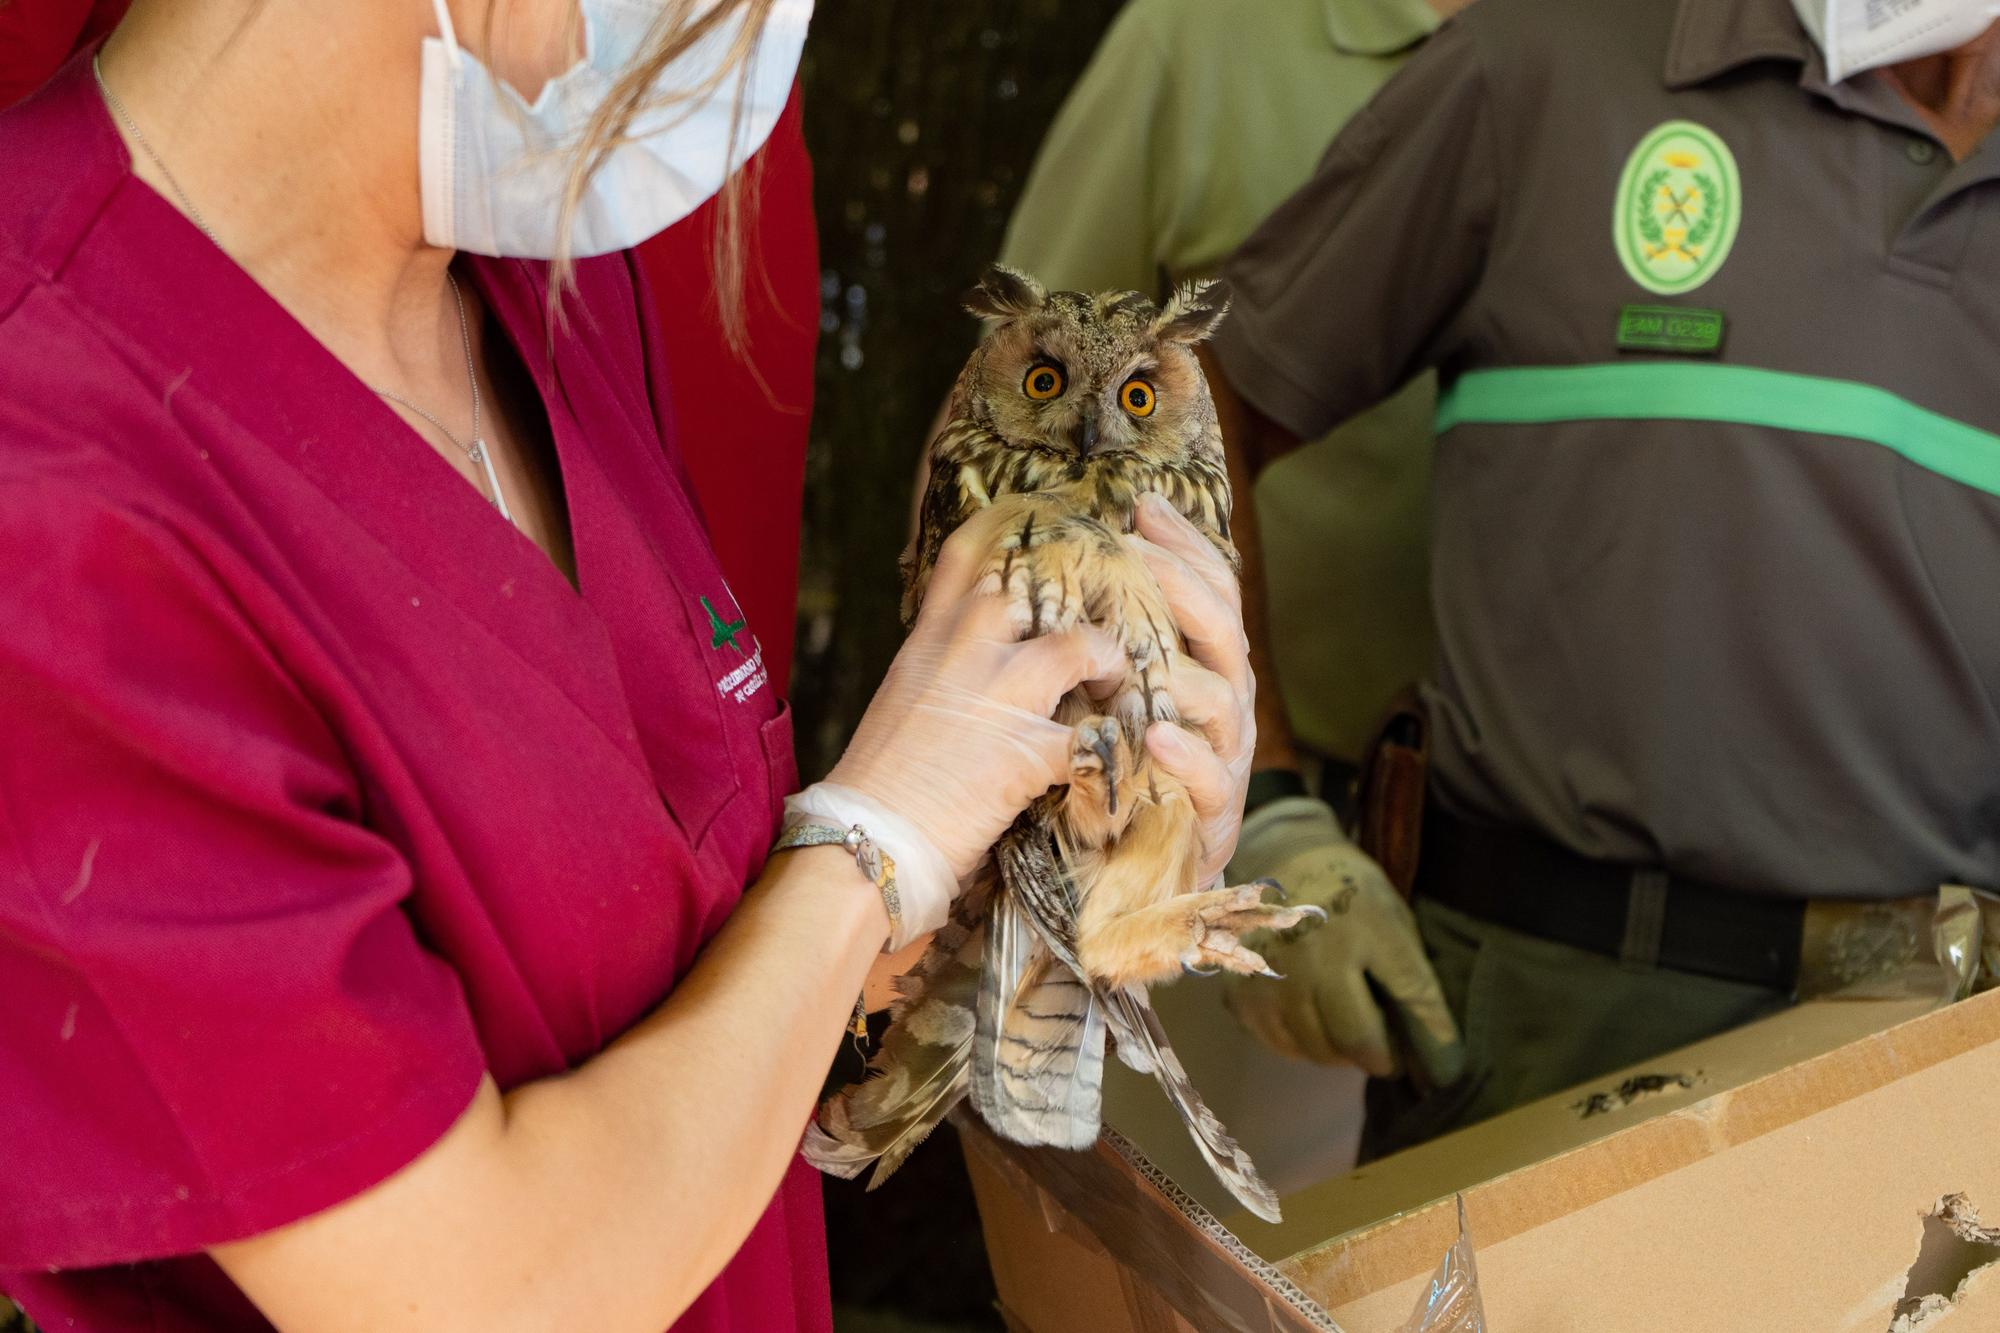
point(1192, 312)
point(1005, 293)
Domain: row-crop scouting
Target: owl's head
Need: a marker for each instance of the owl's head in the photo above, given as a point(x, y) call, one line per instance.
point(1093, 374)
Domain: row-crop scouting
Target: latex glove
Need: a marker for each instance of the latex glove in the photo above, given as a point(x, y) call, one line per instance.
point(1217, 691)
point(1322, 1007)
point(957, 740)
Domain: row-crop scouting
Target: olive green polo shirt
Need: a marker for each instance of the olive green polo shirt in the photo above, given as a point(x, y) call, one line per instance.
point(1716, 528)
point(1194, 120)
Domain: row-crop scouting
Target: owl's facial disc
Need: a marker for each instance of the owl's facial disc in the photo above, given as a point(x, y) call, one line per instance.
point(1082, 377)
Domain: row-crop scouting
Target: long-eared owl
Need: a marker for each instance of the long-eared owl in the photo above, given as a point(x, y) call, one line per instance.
point(1071, 408)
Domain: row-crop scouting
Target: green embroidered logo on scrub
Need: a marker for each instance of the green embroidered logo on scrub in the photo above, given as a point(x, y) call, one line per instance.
point(720, 631)
point(1679, 201)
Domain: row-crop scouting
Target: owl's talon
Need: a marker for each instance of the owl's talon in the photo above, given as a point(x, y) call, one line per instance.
point(1095, 771)
point(1106, 748)
point(1193, 971)
point(1273, 886)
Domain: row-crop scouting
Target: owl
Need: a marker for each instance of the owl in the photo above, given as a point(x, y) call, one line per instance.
point(1072, 407)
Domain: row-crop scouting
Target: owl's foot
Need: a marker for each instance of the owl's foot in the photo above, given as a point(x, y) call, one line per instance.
point(1196, 932)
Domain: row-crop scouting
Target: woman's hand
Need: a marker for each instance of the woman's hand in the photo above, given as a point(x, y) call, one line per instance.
point(958, 739)
point(1217, 693)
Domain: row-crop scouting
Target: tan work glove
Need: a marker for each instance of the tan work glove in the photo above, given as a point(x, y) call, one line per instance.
point(1322, 1007)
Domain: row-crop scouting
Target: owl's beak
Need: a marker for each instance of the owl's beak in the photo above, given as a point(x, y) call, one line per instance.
point(1083, 435)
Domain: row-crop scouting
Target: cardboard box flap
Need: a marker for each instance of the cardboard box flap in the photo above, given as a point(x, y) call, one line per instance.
point(1825, 1172)
point(1812, 1226)
point(1681, 1128)
point(1372, 1193)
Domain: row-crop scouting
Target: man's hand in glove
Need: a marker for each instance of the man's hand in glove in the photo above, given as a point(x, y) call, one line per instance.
point(1324, 1009)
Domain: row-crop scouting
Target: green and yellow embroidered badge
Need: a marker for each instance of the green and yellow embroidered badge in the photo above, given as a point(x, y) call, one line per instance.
point(1679, 201)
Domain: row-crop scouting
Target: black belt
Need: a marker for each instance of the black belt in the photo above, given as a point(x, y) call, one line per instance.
point(1640, 914)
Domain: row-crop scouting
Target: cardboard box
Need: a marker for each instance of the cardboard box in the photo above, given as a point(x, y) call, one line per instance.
point(1787, 1184)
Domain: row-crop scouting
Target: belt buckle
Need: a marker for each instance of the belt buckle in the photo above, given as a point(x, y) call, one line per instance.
point(1844, 943)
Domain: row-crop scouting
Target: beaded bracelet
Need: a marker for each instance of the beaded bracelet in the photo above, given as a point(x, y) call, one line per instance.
point(877, 865)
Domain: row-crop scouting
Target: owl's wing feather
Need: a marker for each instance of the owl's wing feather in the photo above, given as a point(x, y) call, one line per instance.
point(1035, 878)
point(922, 1068)
point(1038, 1054)
point(960, 457)
point(1041, 887)
point(1225, 1157)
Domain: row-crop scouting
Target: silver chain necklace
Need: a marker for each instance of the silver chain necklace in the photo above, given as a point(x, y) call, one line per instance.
point(476, 451)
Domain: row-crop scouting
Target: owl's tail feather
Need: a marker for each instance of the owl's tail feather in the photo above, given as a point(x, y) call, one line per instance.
point(1038, 1053)
point(1232, 1166)
point(921, 1070)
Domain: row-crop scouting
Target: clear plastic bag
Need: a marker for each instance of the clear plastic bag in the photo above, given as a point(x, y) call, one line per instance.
point(1965, 936)
point(1451, 1303)
point(1945, 949)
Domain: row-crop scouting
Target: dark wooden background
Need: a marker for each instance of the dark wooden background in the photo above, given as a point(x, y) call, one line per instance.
point(923, 118)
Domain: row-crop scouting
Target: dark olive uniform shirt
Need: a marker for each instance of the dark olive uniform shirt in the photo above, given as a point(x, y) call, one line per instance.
point(1716, 561)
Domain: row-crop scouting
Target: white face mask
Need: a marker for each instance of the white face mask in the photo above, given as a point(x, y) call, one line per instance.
point(493, 168)
point(1855, 35)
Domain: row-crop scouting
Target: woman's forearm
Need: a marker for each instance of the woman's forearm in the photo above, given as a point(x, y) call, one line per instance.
point(676, 1135)
point(609, 1197)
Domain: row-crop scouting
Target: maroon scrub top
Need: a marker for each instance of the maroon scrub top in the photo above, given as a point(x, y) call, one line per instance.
point(321, 790)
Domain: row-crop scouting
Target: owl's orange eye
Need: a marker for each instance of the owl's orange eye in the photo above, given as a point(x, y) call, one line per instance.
point(1137, 397)
point(1044, 381)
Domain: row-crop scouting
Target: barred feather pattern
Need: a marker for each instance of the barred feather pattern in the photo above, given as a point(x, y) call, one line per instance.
point(1038, 1047)
point(971, 465)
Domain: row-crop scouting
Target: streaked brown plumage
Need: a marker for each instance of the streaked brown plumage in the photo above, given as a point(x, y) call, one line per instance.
point(1073, 407)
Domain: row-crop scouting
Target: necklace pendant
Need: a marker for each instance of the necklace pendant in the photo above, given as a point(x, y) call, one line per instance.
point(479, 456)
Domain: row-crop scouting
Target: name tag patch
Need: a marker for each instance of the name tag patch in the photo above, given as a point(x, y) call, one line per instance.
point(1670, 328)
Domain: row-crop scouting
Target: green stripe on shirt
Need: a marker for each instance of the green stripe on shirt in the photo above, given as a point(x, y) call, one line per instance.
point(1646, 390)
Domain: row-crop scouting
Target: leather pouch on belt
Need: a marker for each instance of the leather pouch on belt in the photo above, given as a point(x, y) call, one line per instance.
point(1390, 792)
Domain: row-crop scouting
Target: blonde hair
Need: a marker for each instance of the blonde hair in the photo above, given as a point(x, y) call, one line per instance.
point(681, 24)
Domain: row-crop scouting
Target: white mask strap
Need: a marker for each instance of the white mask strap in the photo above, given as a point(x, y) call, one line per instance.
point(446, 31)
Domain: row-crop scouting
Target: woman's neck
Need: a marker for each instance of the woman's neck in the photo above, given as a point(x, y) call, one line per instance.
point(292, 127)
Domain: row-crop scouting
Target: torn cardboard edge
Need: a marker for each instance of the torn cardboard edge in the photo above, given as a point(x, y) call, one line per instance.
point(1637, 1087)
point(1339, 1269)
point(1953, 1252)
